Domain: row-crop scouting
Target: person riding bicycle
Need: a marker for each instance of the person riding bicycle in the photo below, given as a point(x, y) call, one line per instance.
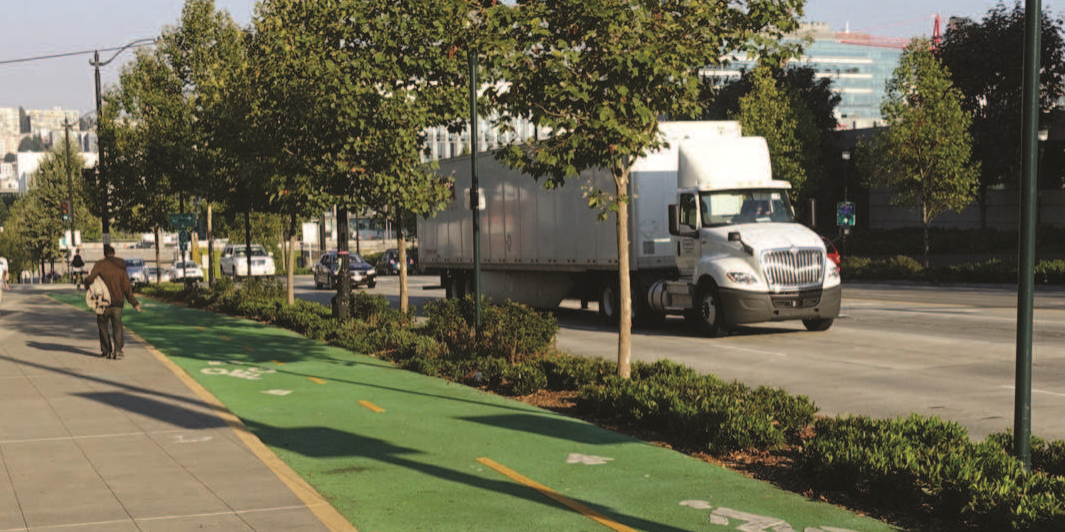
point(77, 265)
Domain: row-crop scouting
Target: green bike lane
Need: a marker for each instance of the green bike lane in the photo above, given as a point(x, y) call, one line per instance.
point(395, 451)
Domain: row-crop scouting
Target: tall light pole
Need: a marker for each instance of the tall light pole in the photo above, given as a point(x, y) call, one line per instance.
point(1022, 408)
point(105, 219)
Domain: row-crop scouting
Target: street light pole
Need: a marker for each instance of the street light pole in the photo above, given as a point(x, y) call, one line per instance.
point(105, 219)
point(1022, 408)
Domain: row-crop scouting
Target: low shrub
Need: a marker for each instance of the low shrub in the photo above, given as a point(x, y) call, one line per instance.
point(512, 331)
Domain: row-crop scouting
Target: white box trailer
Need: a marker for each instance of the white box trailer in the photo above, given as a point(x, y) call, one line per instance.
point(541, 246)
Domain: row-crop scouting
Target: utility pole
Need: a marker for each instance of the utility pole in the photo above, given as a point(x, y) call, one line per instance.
point(68, 160)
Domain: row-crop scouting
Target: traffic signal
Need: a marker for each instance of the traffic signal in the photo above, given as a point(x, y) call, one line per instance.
point(64, 208)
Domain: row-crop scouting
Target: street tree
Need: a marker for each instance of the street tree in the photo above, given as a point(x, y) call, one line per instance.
point(36, 222)
point(983, 60)
point(924, 153)
point(350, 86)
point(145, 121)
point(599, 75)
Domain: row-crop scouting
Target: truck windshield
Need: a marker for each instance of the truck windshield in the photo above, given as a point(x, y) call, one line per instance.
point(730, 207)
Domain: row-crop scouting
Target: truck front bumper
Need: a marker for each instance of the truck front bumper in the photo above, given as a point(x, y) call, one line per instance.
point(742, 306)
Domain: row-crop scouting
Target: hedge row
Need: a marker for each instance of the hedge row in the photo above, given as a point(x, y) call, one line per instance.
point(902, 267)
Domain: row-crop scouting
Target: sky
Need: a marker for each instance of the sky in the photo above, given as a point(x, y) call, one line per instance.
point(37, 28)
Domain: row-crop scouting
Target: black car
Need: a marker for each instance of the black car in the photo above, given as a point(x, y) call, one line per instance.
point(325, 271)
point(388, 264)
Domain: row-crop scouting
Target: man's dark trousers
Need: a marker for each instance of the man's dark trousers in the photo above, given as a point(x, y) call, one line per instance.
point(112, 316)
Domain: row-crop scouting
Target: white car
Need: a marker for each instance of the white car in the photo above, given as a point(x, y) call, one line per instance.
point(234, 261)
point(155, 271)
point(187, 271)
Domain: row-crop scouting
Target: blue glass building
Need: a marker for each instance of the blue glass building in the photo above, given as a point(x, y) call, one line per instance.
point(859, 66)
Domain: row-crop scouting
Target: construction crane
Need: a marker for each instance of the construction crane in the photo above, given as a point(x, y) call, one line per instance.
point(868, 39)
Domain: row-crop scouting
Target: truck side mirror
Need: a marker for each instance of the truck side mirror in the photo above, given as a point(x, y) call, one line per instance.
point(674, 223)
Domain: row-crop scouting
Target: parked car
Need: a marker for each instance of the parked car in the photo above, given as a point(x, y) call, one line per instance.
point(234, 262)
point(135, 268)
point(186, 272)
point(325, 271)
point(155, 272)
point(388, 264)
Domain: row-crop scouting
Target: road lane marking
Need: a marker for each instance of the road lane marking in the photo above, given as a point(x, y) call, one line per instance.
point(316, 380)
point(370, 406)
point(572, 504)
point(1009, 387)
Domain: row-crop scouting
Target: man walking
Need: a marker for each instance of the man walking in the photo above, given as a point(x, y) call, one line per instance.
point(3, 278)
point(112, 271)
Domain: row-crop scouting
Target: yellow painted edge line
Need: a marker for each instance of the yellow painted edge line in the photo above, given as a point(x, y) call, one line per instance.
point(278, 362)
point(317, 504)
point(316, 380)
point(572, 504)
point(371, 406)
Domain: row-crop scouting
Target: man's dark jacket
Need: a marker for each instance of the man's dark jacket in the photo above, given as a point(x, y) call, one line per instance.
point(113, 271)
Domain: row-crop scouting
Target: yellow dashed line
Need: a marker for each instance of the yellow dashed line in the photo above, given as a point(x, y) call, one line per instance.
point(371, 406)
point(316, 380)
point(278, 362)
point(322, 509)
point(572, 504)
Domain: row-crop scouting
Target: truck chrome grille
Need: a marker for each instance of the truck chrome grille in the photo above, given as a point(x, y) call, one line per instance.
point(793, 268)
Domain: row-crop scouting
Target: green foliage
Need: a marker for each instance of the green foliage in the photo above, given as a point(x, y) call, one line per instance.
point(701, 410)
point(921, 463)
point(776, 111)
point(982, 57)
point(512, 331)
point(899, 267)
point(924, 156)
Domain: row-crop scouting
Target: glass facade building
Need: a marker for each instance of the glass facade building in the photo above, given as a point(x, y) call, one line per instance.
point(859, 66)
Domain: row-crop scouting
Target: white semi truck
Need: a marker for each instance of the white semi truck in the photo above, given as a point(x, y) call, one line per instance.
point(713, 238)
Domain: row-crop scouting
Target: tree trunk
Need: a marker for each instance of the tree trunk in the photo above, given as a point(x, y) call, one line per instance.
point(290, 263)
point(927, 237)
point(210, 247)
point(340, 308)
point(247, 241)
point(158, 253)
point(401, 252)
point(621, 182)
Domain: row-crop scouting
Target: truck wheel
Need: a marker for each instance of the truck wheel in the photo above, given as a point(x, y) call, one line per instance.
point(818, 324)
point(643, 316)
point(372, 283)
point(709, 313)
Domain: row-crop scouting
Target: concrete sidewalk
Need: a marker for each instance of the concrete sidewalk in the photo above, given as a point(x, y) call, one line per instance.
point(89, 444)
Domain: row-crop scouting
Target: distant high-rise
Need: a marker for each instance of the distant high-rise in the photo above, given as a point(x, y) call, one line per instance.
point(859, 66)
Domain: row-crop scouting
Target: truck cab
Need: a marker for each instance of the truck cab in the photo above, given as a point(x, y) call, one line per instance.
point(741, 256)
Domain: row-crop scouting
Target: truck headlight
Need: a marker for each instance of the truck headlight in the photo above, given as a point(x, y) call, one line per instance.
point(833, 271)
point(741, 277)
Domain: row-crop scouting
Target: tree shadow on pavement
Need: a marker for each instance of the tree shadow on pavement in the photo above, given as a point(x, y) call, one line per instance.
point(326, 443)
point(168, 413)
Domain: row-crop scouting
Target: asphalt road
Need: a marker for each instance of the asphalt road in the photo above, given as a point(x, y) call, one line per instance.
point(948, 351)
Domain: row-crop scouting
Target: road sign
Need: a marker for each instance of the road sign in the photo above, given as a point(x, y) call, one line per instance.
point(845, 214)
point(182, 220)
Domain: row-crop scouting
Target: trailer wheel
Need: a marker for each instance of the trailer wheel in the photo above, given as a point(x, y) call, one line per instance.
point(609, 303)
point(709, 313)
point(818, 324)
